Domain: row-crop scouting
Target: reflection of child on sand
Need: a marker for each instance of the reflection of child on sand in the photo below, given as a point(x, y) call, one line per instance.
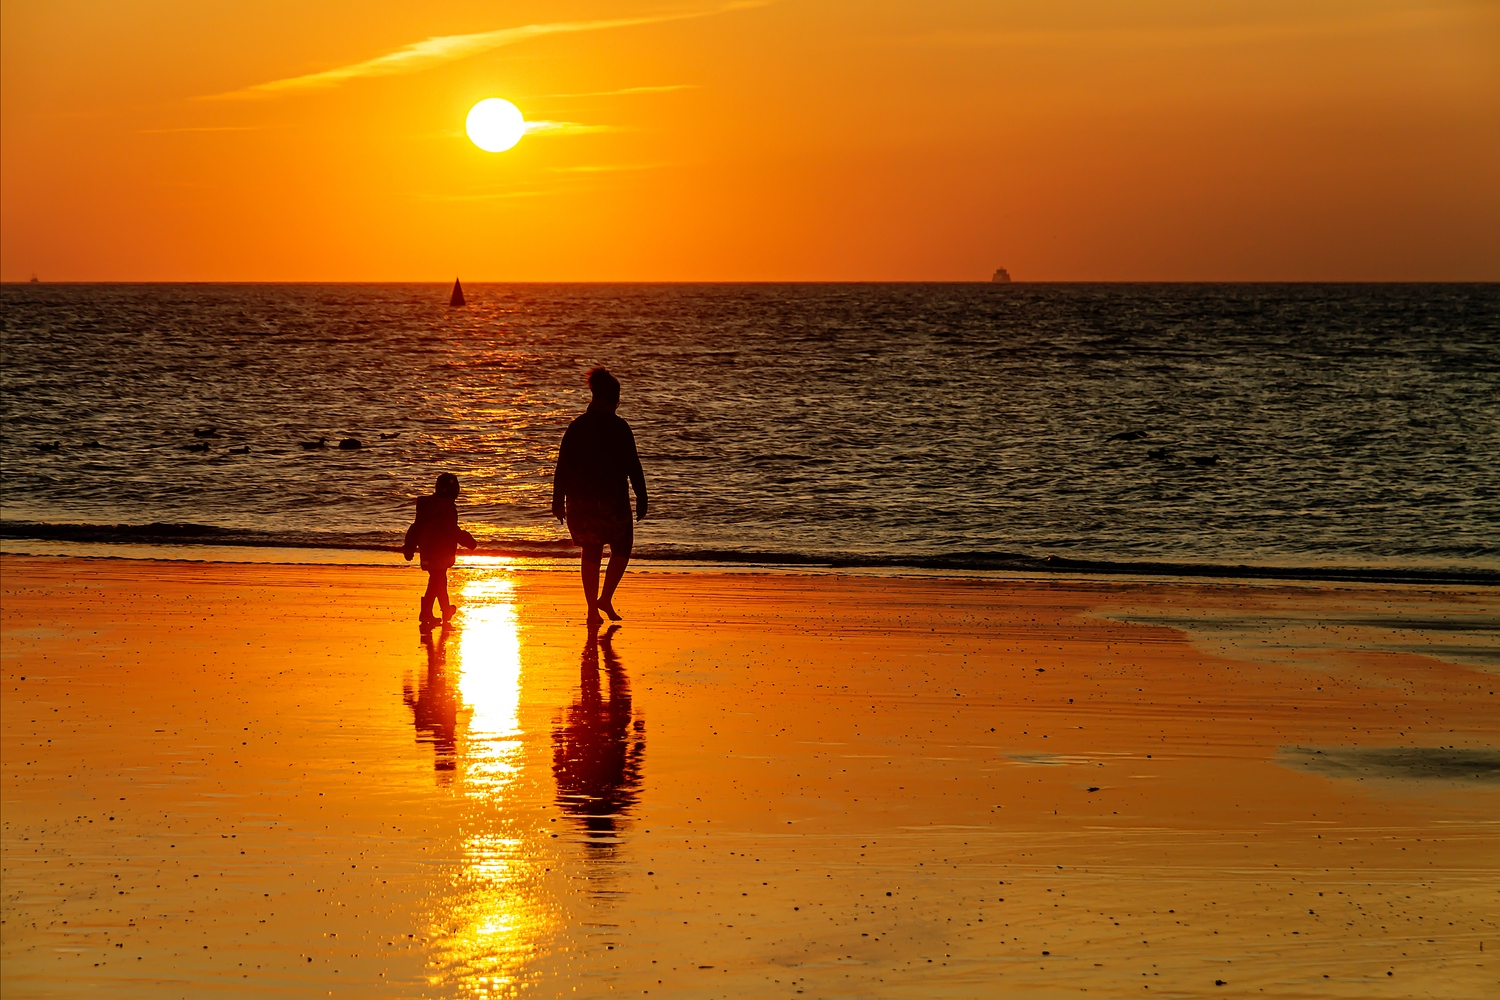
point(436, 534)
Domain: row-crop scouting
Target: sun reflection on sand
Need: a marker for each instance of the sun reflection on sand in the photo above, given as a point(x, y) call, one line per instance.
point(489, 917)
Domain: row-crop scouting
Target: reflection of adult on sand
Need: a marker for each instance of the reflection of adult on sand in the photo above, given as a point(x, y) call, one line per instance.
point(596, 752)
point(589, 491)
point(434, 706)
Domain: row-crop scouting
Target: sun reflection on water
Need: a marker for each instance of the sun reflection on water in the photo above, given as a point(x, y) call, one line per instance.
point(489, 916)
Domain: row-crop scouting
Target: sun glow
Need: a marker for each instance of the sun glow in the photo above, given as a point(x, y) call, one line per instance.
point(495, 125)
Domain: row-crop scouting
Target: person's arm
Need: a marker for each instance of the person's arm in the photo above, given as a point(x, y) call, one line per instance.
point(559, 476)
point(637, 476)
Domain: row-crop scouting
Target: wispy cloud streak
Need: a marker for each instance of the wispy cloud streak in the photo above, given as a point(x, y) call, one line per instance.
point(626, 91)
point(567, 127)
point(1226, 33)
point(447, 48)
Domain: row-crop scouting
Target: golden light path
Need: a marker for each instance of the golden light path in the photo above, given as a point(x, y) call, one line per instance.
point(490, 919)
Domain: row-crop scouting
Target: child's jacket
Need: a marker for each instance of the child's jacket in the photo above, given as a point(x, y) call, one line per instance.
point(435, 533)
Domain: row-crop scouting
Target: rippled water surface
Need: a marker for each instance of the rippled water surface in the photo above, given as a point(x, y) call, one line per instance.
point(1353, 425)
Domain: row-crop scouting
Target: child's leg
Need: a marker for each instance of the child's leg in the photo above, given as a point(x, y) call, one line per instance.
point(436, 584)
point(443, 601)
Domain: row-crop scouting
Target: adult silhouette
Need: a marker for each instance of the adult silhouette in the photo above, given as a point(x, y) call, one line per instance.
point(595, 461)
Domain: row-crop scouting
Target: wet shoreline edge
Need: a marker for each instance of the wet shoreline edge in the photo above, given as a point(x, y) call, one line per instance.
point(168, 536)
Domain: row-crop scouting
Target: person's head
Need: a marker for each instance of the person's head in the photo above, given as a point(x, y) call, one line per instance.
point(447, 486)
point(606, 387)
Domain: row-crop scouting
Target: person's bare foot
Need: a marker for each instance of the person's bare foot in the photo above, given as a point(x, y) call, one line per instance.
point(595, 619)
point(426, 622)
point(449, 612)
point(608, 607)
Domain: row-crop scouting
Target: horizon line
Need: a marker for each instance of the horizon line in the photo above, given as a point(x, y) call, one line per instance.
point(760, 281)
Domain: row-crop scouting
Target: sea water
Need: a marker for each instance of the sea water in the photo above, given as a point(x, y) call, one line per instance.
point(1352, 426)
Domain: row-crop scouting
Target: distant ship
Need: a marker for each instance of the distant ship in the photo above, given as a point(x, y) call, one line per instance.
point(35, 280)
point(1002, 276)
point(457, 298)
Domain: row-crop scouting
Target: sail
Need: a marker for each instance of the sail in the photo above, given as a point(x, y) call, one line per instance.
point(457, 298)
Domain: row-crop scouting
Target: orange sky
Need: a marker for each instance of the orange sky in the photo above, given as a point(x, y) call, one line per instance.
point(797, 140)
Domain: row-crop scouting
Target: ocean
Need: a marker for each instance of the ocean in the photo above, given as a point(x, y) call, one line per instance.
point(1327, 429)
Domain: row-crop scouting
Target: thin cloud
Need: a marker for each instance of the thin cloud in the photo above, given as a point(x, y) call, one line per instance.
point(446, 48)
point(1228, 33)
point(624, 91)
point(568, 128)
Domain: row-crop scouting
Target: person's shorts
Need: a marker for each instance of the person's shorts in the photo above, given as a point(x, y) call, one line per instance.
point(591, 522)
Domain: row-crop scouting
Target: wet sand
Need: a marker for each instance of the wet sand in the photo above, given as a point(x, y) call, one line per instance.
point(259, 780)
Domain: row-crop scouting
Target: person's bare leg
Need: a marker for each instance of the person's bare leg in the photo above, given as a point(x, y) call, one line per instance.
point(619, 558)
point(592, 556)
point(430, 595)
point(444, 601)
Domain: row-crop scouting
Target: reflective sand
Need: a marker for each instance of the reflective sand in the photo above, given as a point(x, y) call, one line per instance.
point(262, 780)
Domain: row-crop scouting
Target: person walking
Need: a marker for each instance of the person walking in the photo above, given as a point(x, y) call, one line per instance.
point(595, 461)
point(436, 534)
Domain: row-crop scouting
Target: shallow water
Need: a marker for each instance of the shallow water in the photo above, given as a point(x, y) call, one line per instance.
point(1354, 425)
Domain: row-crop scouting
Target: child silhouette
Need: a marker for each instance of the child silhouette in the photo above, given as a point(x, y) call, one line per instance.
point(436, 534)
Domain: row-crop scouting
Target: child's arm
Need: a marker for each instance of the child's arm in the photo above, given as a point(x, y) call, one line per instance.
point(409, 545)
point(467, 539)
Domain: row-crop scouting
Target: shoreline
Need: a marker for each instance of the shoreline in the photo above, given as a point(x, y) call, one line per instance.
point(167, 543)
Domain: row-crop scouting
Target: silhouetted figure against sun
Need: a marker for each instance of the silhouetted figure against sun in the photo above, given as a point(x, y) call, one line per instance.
point(434, 708)
point(597, 750)
point(589, 492)
point(436, 534)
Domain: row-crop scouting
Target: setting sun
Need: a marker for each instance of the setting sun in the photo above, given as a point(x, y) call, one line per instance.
point(495, 125)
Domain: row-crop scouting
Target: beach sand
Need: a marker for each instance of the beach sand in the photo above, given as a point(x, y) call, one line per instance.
point(259, 780)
